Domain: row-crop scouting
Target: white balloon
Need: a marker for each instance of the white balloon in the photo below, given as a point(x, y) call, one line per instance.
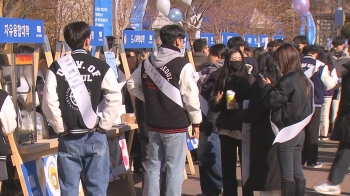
point(188, 2)
point(163, 6)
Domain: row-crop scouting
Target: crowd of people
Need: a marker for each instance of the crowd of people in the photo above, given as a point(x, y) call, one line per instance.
point(289, 94)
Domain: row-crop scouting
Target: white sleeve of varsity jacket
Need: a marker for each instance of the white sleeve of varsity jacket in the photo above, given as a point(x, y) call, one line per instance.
point(51, 104)
point(112, 99)
point(134, 84)
point(8, 116)
point(190, 94)
point(328, 81)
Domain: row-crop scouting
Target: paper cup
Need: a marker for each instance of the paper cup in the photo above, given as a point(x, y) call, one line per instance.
point(230, 96)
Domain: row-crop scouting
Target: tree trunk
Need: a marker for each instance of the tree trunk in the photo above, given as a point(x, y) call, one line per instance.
point(1, 8)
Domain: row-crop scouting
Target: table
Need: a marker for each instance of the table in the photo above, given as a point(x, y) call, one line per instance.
point(42, 148)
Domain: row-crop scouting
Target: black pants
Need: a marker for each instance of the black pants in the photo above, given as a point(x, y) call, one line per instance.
point(229, 148)
point(341, 164)
point(289, 157)
point(310, 150)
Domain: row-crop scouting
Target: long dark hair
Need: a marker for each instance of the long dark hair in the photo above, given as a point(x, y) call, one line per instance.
point(269, 67)
point(288, 58)
point(325, 57)
point(226, 72)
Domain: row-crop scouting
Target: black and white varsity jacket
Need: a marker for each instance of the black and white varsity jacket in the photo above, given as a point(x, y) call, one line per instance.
point(59, 105)
point(8, 121)
point(162, 114)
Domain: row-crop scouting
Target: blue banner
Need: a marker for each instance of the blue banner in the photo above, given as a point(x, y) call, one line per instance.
point(311, 28)
point(103, 15)
point(96, 36)
point(210, 38)
point(138, 39)
point(137, 14)
point(262, 39)
point(302, 26)
point(252, 40)
point(225, 36)
point(278, 37)
point(21, 31)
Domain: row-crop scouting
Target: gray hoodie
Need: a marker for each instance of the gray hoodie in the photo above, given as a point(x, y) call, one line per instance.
point(338, 63)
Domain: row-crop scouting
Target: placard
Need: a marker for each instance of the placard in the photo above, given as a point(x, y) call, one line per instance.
point(96, 36)
point(41, 176)
point(225, 36)
point(16, 30)
point(183, 50)
point(252, 40)
point(138, 39)
point(119, 157)
point(210, 38)
point(103, 15)
point(262, 39)
point(278, 37)
point(245, 147)
point(110, 60)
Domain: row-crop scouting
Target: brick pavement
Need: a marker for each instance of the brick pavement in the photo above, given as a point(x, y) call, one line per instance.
point(192, 187)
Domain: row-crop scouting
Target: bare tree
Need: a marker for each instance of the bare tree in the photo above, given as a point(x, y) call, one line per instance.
point(16, 8)
point(123, 16)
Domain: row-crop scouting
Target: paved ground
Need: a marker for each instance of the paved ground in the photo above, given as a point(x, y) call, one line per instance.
point(192, 187)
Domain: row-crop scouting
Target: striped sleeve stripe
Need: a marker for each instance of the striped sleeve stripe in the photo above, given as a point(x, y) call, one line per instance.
point(167, 131)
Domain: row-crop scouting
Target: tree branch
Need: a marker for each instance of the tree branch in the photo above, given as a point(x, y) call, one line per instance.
point(28, 8)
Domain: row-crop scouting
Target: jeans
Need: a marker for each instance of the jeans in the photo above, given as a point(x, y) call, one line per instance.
point(89, 154)
point(170, 149)
point(341, 164)
point(289, 158)
point(325, 114)
point(310, 150)
point(209, 157)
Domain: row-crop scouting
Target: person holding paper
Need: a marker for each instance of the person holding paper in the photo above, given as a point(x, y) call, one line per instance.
point(76, 87)
point(229, 92)
point(291, 104)
point(8, 125)
point(164, 81)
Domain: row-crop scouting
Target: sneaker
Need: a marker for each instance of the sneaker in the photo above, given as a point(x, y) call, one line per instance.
point(315, 165)
point(328, 189)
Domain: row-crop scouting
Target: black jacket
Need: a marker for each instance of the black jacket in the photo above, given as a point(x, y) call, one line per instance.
point(230, 119)
point(264, 168)
point(288, 100)
point(341, 130)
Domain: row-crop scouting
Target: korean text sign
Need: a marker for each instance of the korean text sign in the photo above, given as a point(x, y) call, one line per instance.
point(138, 39)
point(278, 37)
point(263, 39)
point(225, 36)
point(96, 36)
point(103, 13)
point(252, 40)
point(209, 37)
point(16, 30)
